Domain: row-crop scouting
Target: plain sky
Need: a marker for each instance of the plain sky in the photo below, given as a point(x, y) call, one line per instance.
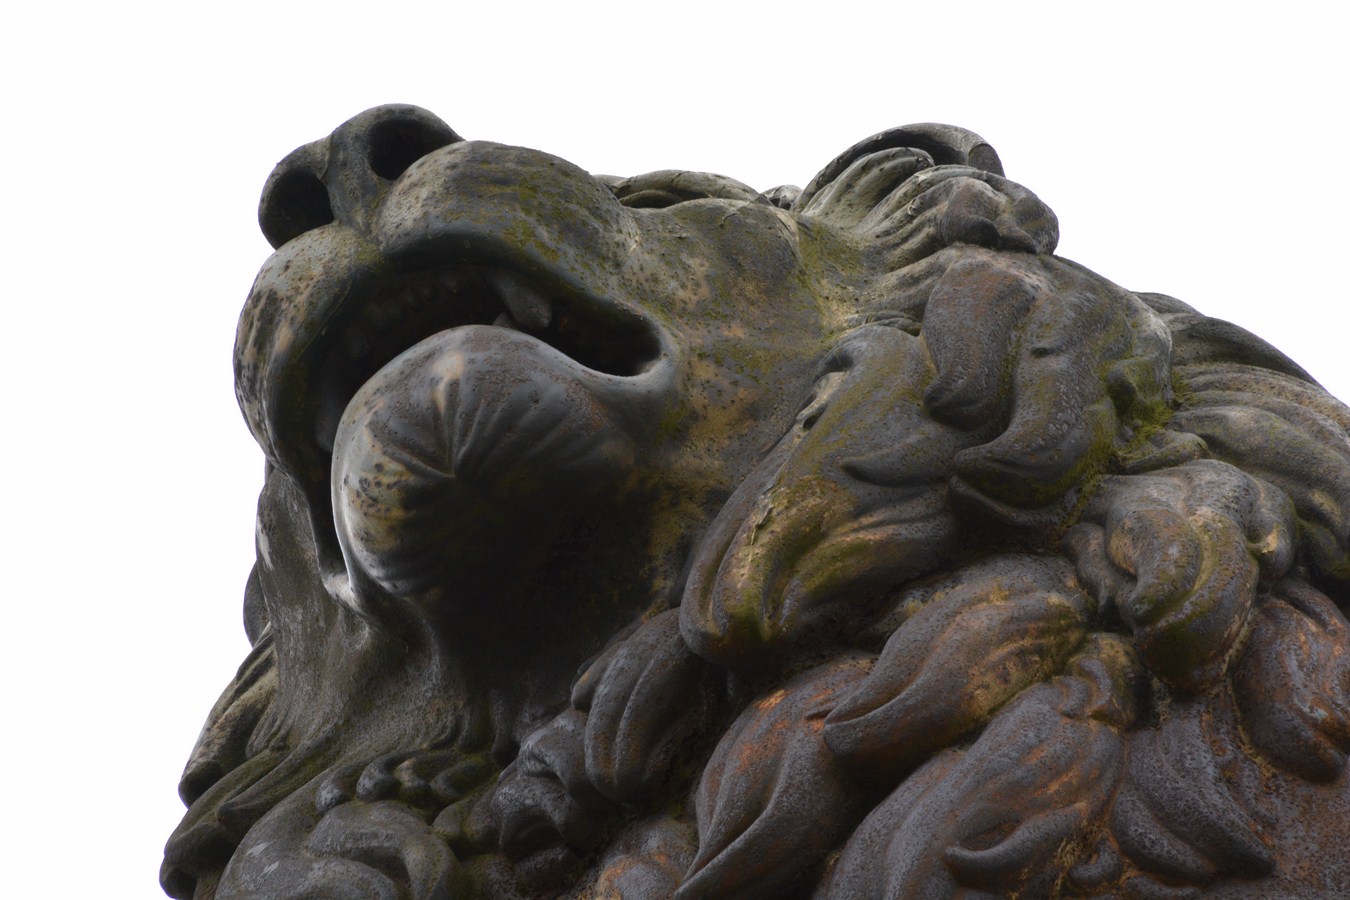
point(1187, 148)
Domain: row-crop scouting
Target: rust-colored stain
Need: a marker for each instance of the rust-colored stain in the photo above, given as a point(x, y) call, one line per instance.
point(876, 531)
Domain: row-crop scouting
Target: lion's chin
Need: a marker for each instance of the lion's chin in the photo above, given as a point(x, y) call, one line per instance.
point(464, 455)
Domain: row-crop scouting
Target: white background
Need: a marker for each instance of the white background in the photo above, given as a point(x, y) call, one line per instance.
point(1192, 149)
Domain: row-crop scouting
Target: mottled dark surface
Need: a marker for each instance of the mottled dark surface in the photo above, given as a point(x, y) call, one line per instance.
point(656, 536)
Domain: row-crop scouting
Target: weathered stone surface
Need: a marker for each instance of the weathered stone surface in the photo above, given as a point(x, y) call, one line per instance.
point(656, 536)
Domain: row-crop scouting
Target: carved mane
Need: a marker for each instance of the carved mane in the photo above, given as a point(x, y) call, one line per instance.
point(840, 542)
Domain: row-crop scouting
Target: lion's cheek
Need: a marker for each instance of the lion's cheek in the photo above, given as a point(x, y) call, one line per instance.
point(465, 452)
point(845, 508)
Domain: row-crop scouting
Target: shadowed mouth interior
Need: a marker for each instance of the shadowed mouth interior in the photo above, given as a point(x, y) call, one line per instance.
point(410, 308)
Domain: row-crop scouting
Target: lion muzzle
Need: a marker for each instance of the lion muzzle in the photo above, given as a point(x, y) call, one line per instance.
point(465, 446)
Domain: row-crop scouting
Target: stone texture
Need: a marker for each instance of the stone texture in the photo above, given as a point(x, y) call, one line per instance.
point(658, 536)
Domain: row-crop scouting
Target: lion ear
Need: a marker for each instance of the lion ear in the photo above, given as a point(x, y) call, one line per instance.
point(858, 179)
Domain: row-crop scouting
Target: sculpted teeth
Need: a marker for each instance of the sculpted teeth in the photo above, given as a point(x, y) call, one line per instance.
point(413, 307)
point(505, 321)
point(523, 308)
point(526, 305)
point(408, 309)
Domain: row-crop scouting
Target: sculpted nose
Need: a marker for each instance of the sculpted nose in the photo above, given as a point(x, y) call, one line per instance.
point(342, 177)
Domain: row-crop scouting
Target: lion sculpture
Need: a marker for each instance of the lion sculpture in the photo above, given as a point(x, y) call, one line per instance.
point(660, 537)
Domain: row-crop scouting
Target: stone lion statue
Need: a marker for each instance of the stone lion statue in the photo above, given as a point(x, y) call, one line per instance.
point(661, 537)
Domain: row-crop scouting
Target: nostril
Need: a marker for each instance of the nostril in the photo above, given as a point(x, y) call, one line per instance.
point(293, 202)
point(397, 143)
point(343, 177)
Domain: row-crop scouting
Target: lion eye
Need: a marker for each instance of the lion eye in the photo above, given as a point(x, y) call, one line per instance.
point(659, 190)
point(653, 199)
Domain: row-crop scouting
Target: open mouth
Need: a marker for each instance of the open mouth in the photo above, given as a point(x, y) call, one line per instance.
point(386, 315)
point(407, 309)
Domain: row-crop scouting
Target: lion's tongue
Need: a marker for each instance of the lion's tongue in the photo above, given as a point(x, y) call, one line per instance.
point(464, 449)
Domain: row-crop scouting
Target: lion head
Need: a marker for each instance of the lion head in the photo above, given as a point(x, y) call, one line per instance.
point(658, 536)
